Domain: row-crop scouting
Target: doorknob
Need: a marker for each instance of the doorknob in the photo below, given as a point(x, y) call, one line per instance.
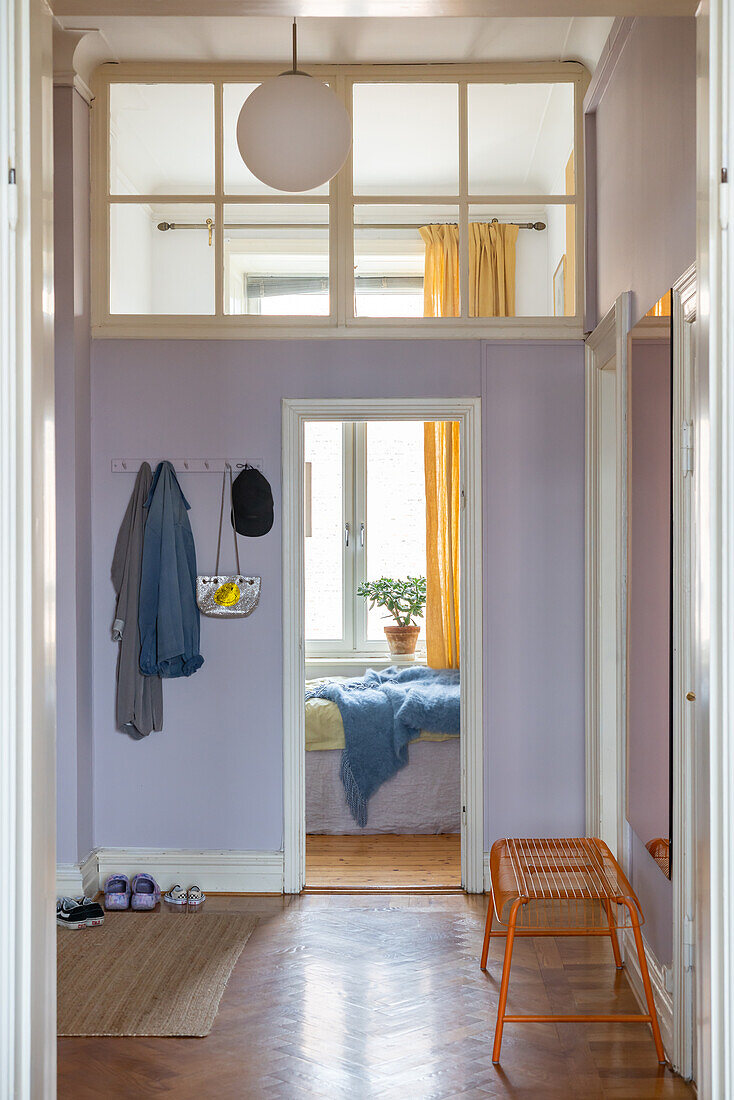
point(691, 696)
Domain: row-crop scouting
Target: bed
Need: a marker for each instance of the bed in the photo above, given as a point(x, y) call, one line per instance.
point(423, 797)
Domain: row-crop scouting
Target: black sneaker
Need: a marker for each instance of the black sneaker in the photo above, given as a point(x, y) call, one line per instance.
point(72, 914)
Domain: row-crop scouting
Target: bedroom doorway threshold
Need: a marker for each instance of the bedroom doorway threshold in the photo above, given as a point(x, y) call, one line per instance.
point(384, 861)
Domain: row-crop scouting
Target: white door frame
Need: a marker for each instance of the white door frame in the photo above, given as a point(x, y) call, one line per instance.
point(467, 411)
point(606, 604)
point(684, 765)
point(606, 582)
point(27, 561)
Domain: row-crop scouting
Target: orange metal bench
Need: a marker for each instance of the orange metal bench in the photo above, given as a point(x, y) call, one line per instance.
point(564, 887)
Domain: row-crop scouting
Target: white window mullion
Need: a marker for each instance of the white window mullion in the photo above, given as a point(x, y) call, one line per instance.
point(349, 544)
point(360, 545)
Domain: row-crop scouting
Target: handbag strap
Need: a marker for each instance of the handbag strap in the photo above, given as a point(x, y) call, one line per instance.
point(221, 520)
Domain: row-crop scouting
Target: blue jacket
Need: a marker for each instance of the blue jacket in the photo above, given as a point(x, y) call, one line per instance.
point(167, 611)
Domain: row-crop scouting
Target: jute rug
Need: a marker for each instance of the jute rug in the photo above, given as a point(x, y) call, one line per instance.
point(147, 973)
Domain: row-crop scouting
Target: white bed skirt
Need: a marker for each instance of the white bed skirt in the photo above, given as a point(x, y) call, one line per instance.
point(423, 797)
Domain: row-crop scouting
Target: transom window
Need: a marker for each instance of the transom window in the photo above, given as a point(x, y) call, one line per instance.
point(416, 231)
point(365, 519)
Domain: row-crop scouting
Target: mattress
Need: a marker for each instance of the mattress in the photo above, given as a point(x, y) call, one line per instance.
point(423, 797)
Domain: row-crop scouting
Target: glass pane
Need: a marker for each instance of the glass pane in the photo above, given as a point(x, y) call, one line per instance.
point(544, 262)
point(389, 258)
point(520, 138)
point(276, 260)
point(395, 535)
point(238, 179)
point(323, 545)
point(161, 139)
point(406, 139)
point(161, 270)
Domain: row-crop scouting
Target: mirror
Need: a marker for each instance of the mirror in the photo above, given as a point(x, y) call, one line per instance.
point(649, 581)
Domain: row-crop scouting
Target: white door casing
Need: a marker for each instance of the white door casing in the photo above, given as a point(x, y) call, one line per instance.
point(606, 613)
point(295, 414)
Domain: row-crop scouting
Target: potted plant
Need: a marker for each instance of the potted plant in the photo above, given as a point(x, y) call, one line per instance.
point(404, 601)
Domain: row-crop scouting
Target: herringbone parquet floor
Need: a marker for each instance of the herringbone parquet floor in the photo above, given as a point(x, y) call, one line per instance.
point(355, 998)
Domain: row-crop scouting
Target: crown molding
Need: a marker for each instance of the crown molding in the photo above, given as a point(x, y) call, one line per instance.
point(77, 53)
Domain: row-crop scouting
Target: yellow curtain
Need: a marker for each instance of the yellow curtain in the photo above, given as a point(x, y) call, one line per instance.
point(441, 275)
point(491, 294)
point(491, 270)
point(441, 456)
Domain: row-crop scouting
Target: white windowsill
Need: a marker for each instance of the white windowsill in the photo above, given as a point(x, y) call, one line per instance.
point(356, 664)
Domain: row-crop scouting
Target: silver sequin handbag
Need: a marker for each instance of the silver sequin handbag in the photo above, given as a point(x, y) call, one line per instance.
point(227, 597)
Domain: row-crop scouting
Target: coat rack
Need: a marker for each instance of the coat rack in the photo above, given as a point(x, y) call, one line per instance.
point(188, 465)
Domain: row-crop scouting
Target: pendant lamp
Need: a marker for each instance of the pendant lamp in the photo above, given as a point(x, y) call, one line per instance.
point(293, 133)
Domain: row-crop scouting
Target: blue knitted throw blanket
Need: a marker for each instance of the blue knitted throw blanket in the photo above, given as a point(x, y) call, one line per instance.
point(382, 713)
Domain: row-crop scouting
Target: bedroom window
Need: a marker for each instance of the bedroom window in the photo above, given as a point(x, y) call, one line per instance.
point(187, 242)
point(365, 518)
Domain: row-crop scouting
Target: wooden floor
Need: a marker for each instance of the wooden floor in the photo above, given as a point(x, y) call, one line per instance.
point(383, 860)
point(354, 998)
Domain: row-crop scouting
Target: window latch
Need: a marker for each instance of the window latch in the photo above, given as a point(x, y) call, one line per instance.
point(361, 535)
point(346, 534)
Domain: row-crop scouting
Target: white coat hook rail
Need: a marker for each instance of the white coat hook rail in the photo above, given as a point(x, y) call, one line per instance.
point(188, 465)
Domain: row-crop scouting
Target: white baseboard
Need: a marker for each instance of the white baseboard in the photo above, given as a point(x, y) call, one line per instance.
point(68, 880)
point(663, 999)
point(90, 874)
point(214, 871)
point(217, 871)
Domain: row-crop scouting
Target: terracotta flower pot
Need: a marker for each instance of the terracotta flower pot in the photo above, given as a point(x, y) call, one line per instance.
point(402, 639)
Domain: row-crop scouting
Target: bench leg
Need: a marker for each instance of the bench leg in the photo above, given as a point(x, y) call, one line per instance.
point(613, 935)
point(646, 983)
point(487, 933)
point(504, 985)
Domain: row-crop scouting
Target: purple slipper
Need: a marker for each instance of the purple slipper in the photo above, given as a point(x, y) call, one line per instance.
point(117, 892)
point(146, 892)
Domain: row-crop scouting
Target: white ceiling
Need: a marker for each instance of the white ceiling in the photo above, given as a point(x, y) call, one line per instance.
point(345, 40)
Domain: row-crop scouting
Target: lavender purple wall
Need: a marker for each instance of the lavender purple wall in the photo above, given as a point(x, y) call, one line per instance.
point(213, 777)
point(73, 481)
point(645, 134)
point(533, 416)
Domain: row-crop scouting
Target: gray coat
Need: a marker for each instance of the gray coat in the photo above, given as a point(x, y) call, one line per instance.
point(139, 698)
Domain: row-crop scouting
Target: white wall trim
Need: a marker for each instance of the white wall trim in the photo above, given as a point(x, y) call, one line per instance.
point(295, 414)
point(27, 566)
point(613, 47)
point(715, 581)
point(214, 870)
point(605, 600)
point(663, 999)
point(685, 553)
point(68, 880)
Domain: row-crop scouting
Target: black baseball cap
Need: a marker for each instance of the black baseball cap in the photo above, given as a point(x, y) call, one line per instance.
point(252, 503)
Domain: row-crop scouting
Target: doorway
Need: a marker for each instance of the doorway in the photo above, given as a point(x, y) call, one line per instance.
point(403, 857)
point(382, 709)
point(612, 737)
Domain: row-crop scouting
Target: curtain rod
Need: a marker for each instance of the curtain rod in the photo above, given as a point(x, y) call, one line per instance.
point(209, 224)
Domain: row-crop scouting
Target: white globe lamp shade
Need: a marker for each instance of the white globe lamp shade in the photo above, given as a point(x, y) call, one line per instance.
point(293, 133)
